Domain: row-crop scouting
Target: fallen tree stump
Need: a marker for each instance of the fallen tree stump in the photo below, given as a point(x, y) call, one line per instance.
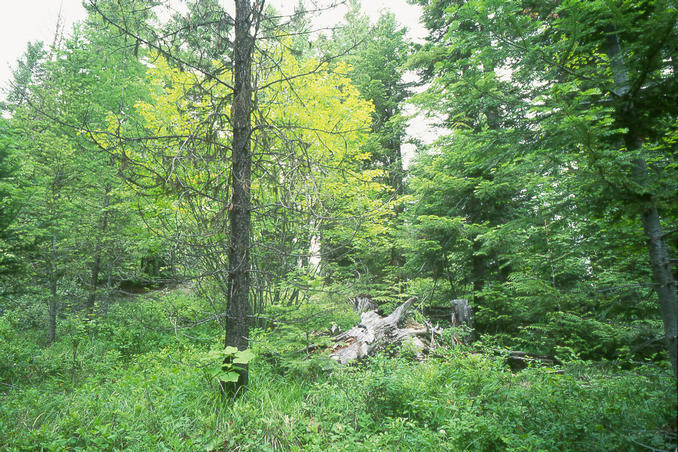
point(375, 332)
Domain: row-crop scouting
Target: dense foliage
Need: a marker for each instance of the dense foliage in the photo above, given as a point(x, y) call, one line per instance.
point(131, 381)
point(559, 147)
point(548, 201)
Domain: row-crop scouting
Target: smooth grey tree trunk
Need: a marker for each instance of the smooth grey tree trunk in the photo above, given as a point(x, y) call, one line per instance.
point(664, 284)
point(662, 276)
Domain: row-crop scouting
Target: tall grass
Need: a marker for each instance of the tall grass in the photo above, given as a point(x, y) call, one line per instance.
point(145, 389)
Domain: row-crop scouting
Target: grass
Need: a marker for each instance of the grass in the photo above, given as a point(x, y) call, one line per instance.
point(145, 389)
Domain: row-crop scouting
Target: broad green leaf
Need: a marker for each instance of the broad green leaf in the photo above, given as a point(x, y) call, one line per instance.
point(243, 357)
point(231, 377)
point(230, 350)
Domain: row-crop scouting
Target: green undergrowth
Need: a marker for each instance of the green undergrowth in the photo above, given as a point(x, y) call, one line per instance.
point(147, 389)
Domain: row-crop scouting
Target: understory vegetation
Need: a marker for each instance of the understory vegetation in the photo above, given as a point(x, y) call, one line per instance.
point(128, 382)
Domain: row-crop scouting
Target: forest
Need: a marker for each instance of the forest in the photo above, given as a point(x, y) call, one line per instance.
point(217, 232)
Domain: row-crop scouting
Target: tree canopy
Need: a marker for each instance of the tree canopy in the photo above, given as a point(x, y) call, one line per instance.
point(206, 217)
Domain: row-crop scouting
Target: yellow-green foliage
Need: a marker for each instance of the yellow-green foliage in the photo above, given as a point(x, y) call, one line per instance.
point(309, 123)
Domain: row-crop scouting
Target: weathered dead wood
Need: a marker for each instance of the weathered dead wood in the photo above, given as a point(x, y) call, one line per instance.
point(362, 303)
point(461, 313)
point(462, 316)
point(375, 332)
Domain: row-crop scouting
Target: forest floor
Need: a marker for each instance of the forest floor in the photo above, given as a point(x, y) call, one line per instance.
point(135, 379)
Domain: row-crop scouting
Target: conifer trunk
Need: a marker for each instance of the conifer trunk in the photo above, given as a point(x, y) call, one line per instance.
point(238, 308)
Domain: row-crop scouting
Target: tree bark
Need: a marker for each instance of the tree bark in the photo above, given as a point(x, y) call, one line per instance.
point(96, 265)
point(238, 307)
point(664, 283)
point(51, 329)
point(662, 276)
point(477, 273)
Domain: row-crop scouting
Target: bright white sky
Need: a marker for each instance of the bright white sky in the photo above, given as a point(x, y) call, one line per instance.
point(22, 21)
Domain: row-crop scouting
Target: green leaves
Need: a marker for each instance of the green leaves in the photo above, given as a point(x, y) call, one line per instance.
point(225, 364)
point(243, 357)
point(227, 351)
point(527, 205)
point(232, 353)
point(230, 376)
